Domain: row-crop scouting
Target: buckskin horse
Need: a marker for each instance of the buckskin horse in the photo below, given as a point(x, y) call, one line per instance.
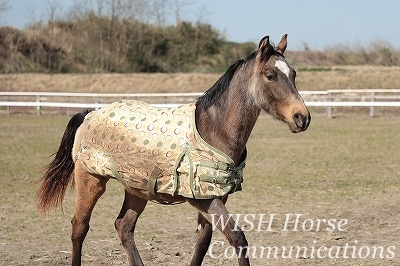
point(202, 166)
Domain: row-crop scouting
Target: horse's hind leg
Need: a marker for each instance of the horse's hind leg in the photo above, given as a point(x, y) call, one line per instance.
point(89, 189)
point(125, 224)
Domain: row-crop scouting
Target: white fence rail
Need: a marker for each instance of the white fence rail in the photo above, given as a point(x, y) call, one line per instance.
point(327, 99)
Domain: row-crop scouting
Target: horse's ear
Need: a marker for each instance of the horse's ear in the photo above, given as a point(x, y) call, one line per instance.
point(281, 47)
point(263, 46)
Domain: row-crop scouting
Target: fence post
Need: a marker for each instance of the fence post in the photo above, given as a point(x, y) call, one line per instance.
point(8, 107)
point(38, 111)
point(329, 109)
point(96, 99)
point(68, 109)
point(372, 108)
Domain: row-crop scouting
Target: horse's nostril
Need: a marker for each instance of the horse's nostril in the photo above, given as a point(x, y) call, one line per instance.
point(299, 120)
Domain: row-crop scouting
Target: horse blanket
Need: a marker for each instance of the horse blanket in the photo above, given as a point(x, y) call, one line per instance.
point(156, 149)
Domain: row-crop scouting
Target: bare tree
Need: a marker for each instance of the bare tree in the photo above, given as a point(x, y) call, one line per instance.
point(137, 10)
point(203, 12)
point(179, 5)
point(80, 9)
point(31, 14)
point(54, 8)
point(4, 5)
point(159, 9)
point(177, 12)
point(100, 7)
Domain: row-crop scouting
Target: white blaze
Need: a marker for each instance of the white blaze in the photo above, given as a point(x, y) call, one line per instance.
point(282, 66)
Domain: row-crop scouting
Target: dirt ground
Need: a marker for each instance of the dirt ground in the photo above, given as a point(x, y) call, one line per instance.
point(165, 234)
point(351, 182)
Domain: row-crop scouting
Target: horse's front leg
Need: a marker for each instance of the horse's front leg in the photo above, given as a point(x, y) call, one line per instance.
point(216, 214)
point(203, 238)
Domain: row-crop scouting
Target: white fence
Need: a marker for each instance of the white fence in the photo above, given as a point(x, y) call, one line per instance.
point(327, 99)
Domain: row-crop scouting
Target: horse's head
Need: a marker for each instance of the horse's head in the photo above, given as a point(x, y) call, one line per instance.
point(274, 88)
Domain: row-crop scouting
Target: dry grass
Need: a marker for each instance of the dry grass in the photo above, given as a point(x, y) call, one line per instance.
point(121, 83)
point(356, 77)
point(349, 77)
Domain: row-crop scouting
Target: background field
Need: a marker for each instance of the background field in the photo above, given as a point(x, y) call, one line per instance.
point(318, 78)
point(343, 168)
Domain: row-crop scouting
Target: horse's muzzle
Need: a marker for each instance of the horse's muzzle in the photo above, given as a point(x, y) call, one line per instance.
point(302, 121)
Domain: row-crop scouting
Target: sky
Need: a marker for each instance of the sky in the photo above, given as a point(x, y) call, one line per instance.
point(315, 24)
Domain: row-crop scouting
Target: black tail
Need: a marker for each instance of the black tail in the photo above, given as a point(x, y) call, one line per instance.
point(59, 171)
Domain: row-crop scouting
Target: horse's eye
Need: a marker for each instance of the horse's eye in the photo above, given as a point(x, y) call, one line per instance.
point(271, 76)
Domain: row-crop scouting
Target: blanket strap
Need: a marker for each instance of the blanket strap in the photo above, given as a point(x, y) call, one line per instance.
point(118, 176)
point(152, 183)
point(155, 174)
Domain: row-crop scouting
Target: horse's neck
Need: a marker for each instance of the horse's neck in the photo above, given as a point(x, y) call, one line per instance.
point(227, 124)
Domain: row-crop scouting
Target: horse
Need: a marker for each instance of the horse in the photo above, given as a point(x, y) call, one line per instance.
point(224, 117)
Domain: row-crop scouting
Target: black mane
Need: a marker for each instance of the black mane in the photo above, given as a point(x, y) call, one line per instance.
point(214, 93)
point(219, 87)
